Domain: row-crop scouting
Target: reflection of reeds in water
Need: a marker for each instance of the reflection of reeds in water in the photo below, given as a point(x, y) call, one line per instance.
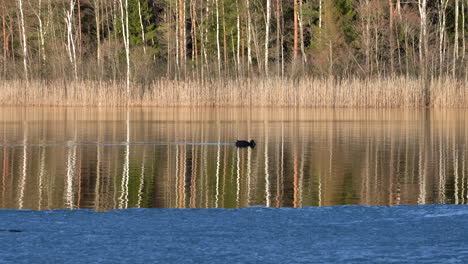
point(407, 160)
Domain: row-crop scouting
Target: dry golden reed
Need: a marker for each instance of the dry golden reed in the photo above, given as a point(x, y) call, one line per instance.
point(272, 92)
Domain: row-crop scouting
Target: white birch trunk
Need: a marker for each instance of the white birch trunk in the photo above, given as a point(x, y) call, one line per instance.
point(249, 36)
point(455, 41)
point(422, 6)
point(37, 13)
point(184, 36)
point(98, 31)
point(217, 38)
point(463, 32)
point(23, 41)
point(70, 39)
point(142, 28)
point(320, 14)
point(301, 31)
point(238, 38)
point(177, 34)
point(126, 38)
point(267, 34)
point(442, 22)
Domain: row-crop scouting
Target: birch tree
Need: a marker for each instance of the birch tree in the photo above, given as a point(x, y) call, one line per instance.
point(296, 35)
point(278, 37)
point(455, 41)
point(23, 40)
point(249, 36)
point(301, 29)
point(442, 21)
point(38, 13)
point(267, 34)
point(125, 37)
point(70, 38)
point(142, 28)
point(218, 48)
point(97, 18)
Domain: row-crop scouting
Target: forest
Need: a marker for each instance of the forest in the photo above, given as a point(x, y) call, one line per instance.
point(144, 47)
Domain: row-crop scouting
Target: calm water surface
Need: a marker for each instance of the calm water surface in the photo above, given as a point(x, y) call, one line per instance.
point(108, 158)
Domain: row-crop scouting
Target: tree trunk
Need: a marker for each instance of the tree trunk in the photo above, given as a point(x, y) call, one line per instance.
point(463, 33)
point(238, 38)
point(267, 35)
point(442, 21)
point(301, 29)
point(126, 38)
point(249, 36)
point(455, 41)
point(70, 39)
point(5, 40)
point(320, 14)
point(98, 32)
point(422, 5)
point(177, 37)
point(282, 41)
point(194, 28)
point(296, 35)
point(79, 29)
point(390, 8)
point(182, 34)
point(218, 48)
point(141, 26)
point(23, 40)
point(367, 39)
point(278, 40)
point(225, 62)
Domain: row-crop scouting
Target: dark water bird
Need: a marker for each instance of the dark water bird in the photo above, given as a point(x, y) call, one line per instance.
point(245, 143)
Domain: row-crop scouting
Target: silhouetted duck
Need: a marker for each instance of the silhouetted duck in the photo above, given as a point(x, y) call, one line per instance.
point(245, 143)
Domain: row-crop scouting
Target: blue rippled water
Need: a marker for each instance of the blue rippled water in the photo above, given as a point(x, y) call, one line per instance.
point(341, 234)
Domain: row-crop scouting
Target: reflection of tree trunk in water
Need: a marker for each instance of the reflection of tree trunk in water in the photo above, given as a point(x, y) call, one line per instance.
point(41, 176)
point(71, 165)
point(295, 177)
point(218, 163)
point(22, 183)
point(242, 183)
point(97, 188)
point(177, 177)
point(376, 190)
point(225, 161)
point(441, 168)
point(279, 162)
point(6, 161)
point(455, 169)
point(392, 171)
point(424, 157)
point(183, 171)
point(398, 184)
point(123, 200)
point(193, 193)
point(238, 176)
point(267, 174)
point(301, 172)
point(463, 177)
point(365, 179)
point(142, 178)
point(249, 175)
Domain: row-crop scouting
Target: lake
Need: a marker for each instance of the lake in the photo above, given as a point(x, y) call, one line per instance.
point(115, 158)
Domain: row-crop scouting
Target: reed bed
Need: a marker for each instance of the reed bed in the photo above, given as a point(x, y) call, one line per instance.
point(271, 92)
